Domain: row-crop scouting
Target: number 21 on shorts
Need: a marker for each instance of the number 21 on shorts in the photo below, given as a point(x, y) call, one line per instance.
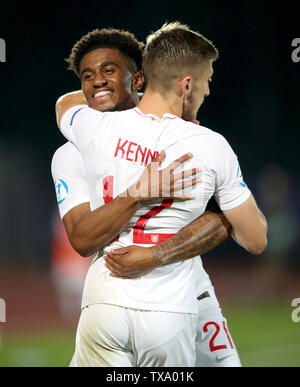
point(216, 330)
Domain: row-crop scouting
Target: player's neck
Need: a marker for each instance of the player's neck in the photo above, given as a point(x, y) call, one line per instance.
point(155, 103)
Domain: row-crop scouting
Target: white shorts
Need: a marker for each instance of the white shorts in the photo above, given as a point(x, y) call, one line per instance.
point(113, 336)
point(214, 344)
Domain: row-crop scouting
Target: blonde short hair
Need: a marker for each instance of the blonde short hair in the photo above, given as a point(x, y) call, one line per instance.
point(172, 52)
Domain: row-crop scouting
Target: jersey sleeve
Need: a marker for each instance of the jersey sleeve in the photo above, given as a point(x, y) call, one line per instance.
point(79, 124)
point(230, 188)
point(69, 179)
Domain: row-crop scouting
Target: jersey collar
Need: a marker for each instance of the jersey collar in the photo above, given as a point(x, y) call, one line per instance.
point(153, 117)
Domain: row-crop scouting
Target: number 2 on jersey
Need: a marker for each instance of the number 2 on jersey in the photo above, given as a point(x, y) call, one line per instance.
point(139, 234)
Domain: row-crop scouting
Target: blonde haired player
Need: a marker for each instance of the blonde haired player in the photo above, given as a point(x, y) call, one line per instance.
point(119, 314)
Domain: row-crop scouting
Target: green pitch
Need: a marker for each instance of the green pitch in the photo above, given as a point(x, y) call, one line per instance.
point(264, 334)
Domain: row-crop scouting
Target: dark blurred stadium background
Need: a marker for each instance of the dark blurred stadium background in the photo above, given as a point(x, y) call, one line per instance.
point(254, 103)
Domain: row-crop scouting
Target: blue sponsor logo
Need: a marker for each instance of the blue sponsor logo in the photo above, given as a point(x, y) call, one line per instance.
point(62, 190)
point(240, 176)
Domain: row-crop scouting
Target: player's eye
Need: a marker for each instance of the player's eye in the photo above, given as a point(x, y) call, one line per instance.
point(88, 76)
point(108, 70)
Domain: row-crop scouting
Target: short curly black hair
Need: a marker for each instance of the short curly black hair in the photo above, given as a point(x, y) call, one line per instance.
point(124, 41)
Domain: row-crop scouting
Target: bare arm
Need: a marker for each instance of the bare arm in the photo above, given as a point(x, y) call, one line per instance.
point(249, 226)
point(89, 231)
point(249, 229)
point(200, 236)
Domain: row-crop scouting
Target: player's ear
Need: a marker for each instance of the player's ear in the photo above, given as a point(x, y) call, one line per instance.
point(185, 85)
point(137, 81)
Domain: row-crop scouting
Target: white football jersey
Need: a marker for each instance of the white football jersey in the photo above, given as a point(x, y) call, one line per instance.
point(116, 148)
point(69, 178)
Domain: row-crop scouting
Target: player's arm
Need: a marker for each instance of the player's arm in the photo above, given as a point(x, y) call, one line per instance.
point(89, 231)
point(249, 226)
point(200, 236)
point(197, 238)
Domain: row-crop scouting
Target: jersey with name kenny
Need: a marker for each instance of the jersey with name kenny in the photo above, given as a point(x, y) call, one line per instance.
point(72, 189)
point(116, 147)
